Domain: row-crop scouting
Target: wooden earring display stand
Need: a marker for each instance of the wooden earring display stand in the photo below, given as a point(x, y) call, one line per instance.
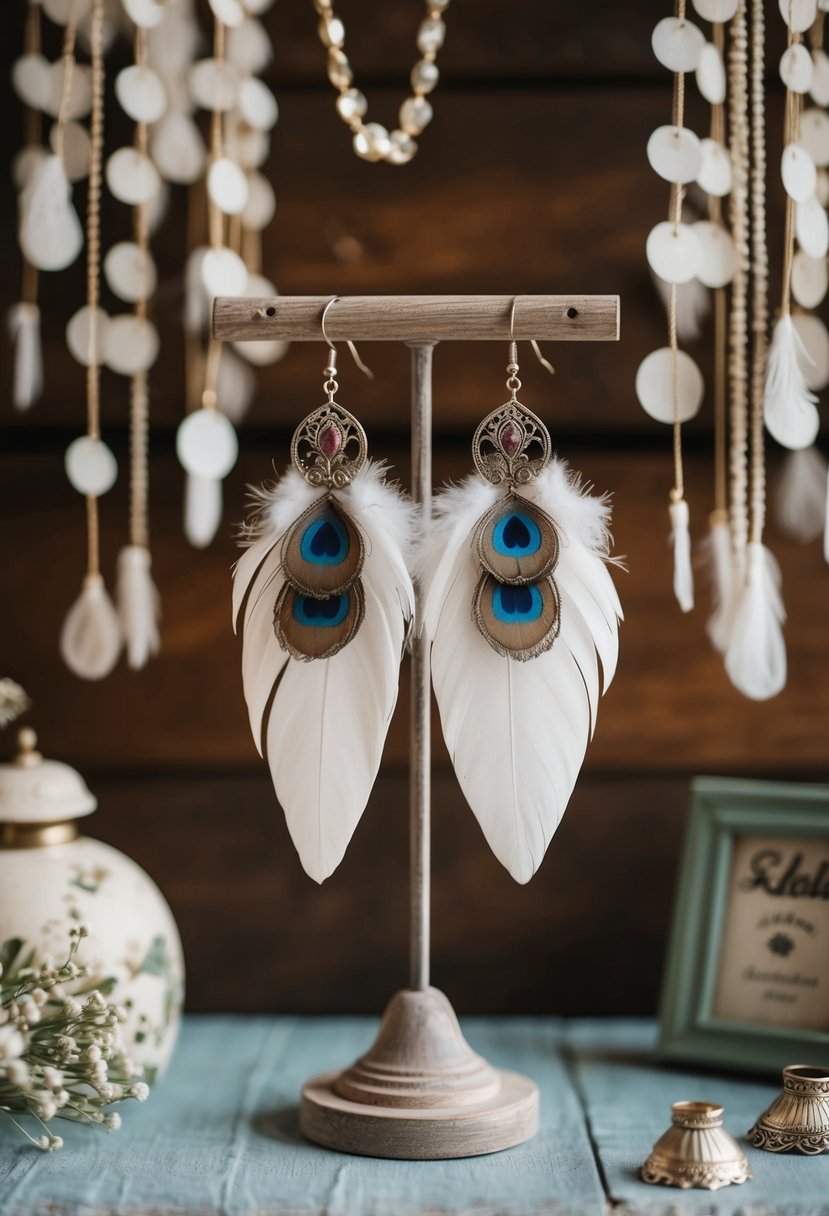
point(420, 1091)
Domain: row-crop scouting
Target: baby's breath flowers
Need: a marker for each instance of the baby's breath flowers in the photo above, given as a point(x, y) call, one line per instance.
point(61, 1052)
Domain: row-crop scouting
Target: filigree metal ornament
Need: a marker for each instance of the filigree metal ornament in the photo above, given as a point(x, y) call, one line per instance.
point(696, 1151)
point(797, 1120)
point(511, 445)
point(329, 447)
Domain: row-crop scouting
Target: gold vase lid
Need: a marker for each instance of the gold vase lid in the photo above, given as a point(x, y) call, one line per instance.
point(37, 791)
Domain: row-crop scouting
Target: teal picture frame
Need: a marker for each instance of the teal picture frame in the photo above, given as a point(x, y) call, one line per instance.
point(722, 810)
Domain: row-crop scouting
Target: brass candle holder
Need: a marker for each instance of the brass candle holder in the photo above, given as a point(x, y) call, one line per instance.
point(696, 1151)
point(798, 1119)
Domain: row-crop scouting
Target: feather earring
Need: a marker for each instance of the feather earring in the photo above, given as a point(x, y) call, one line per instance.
point(518, 607)
point(324, 600)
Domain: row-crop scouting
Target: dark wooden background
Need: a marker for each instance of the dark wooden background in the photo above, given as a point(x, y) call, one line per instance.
point(532, 178)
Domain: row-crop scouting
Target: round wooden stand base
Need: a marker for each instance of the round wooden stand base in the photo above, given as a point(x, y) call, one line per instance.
point(420, 1093)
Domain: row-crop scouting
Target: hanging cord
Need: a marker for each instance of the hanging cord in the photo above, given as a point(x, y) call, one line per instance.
point(33, 136)
point(93, 260)
point(675, 216)
point(715, 215)
point(738, 335)
point(791, 132)
point(70, 35)
point(139, 397)
point(216, 228)
point(760, 273)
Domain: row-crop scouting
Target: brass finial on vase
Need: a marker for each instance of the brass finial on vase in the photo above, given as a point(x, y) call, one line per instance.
point(799, 1118)
point(696, 1150)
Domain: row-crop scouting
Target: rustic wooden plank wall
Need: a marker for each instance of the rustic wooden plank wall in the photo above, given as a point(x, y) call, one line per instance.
point(531, 178)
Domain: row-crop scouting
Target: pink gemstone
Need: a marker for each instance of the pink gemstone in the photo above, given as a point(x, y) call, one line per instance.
point(331, 438)
point(510, 438)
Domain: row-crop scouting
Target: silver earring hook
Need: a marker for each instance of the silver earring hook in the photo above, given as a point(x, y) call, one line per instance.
point(545, 363)
point(332, 348)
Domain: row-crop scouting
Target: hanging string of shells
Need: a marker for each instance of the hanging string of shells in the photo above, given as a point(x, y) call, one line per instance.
point(762, 382)
point(218, 159)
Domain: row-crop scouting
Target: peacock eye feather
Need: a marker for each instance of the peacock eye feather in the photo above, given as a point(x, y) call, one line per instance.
point(517, 542)
point(323, 552)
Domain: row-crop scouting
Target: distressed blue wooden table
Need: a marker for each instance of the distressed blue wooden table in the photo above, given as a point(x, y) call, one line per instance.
point(220, 1138)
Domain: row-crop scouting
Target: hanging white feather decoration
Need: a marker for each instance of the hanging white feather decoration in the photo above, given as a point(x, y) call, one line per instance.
point(90, 641)
point(717, 555)
point(202, 509)
point(518, 695)
point(681, 543)
point(139, 605)
point(324, 599)
point(801, 494)
point(789, 406)
point(756, 655)
point(24, 333)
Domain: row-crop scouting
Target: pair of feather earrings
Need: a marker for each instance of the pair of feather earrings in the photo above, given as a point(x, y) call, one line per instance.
point(515, 599)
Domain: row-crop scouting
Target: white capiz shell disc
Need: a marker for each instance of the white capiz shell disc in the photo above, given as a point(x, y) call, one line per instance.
point(50, 233)
point(714, 176)
point(257, 104)
point(141, 93)
point(675, 154)
point(814, 135)
point(796, 68)
point(248, 46)
point(711, 75)
point(32, 81)
point(214, 85)
point(717, 11)
point(271, 350)
point(178, 149)
point(673, 252)
point(819, 88)
point(677, 44)
point(130, 272)
point(79, 335)
point(90, 466)
point(810, 279)
point(146, 13)
point(822, 189)
point(655, 388)
point(798, 14)
point(132, 177)
point(77, 149)
point(260, 208)
point(25, 165)
point(227, 186)
point(206, 444)
point(812, 228)
point(80, 90)
point(131, 344)
point(223, 273)
point(229, 12)
point(798, 172)
point(60, 11)
point(815, 338)
point(718, 263)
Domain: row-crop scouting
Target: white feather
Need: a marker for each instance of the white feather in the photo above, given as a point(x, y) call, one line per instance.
point(756, 657)
point(202, 509)
point(681, 545)
point(788, 404)
point(801, 494)
point(322, 725)
point(90, 640)
point(517, 731)
point(139, 605)
point(717, 555)
point(24, 332)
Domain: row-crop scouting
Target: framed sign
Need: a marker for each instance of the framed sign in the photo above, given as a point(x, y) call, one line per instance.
point(747, 977)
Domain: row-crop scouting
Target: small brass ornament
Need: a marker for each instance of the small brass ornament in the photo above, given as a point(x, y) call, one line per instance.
point(696, 1151)
point(798, 1119)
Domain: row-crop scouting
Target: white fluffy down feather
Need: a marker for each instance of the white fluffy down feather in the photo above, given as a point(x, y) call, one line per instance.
point(800, 500)
point(789, 406)
point(139, 605)
point(322, 725)
point(756, 657)
point(517, 731)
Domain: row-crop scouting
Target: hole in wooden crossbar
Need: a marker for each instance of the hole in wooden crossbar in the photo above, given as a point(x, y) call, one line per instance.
point(572, 313)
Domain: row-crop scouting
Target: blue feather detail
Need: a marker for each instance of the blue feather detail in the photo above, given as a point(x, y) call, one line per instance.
point(324, 614)
point(516, 605)
point(516, 535)
point(324, 542)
